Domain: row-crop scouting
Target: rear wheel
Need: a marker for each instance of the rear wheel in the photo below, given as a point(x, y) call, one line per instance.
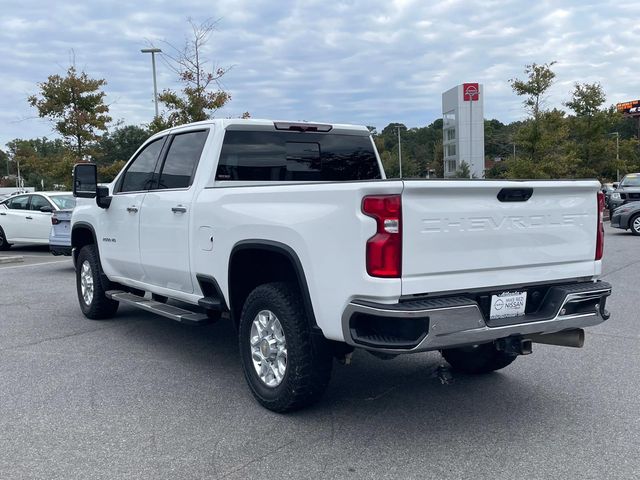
point(286, 368)
point(634, 224)
point(91, 291)
point(483, 358)
point(4, 245)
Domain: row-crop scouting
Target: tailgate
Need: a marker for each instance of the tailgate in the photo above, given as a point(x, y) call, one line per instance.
point(458, 235)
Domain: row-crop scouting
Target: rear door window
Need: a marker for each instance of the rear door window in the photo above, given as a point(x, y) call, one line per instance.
point(182, 159)
point(37, 202)
point(295, 156)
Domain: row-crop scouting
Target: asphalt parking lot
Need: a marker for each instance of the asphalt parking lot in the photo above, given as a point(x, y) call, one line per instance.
point(144, 397)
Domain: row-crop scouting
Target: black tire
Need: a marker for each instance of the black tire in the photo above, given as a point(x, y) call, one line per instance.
point(308, 360)
point(4, 244)
point(99, 306)
point(483, 358)
point(635, 230)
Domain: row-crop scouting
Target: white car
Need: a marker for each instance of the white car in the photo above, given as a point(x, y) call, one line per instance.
point(26, 218)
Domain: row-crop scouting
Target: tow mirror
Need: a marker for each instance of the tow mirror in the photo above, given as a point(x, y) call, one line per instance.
point(85, 180)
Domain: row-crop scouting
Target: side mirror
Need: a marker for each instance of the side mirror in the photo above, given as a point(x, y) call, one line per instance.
point(103, 200)
point(616, 184)
point(85, 180)
point(46, 209)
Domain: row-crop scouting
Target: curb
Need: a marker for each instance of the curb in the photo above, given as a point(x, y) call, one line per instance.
point(12, 259)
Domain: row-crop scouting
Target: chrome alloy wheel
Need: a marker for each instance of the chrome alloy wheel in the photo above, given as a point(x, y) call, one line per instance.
point(86, 282)
point(268, 348)
point(636, 224)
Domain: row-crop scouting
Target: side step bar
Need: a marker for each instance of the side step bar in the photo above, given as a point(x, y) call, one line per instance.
point(174, 313)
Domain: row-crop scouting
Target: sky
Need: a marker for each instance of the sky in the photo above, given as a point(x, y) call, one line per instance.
point(368, 62)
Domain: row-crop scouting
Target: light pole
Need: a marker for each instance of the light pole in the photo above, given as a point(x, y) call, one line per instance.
point(398, 127)
point(153, 52)
point(617, 134)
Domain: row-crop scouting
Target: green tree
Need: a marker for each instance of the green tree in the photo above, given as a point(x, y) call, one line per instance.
point(589, 128)
point(463, 171)
point(42, 160)
point(75, 105)
point(201, 93)
point(534, 89)
point(120, 144)
point(106, 173)
point(421, 148)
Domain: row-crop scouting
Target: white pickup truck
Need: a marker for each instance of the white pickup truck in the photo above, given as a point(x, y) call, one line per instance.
point(293, 232)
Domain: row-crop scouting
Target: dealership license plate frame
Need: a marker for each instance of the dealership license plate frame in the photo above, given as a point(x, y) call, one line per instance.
point(508, 304)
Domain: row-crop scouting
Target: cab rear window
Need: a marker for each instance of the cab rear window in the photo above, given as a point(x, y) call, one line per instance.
point(296, 156)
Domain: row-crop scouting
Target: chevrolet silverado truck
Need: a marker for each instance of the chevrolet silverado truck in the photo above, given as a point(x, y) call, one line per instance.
point(292, 232)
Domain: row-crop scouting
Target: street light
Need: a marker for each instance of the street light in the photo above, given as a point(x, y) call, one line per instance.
point(153, 52)
point(617, 134)
point(398, 127)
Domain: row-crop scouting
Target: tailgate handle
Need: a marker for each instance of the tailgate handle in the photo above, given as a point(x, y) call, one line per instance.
point(515, 194)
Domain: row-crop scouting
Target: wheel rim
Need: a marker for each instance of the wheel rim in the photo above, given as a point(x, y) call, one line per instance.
point(268, 348)
point(636, 224)
point(86, 282)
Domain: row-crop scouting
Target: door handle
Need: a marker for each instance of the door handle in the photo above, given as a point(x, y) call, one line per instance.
point(132, 209)
point(28, 218)
point(2, 213)
point(179, 209)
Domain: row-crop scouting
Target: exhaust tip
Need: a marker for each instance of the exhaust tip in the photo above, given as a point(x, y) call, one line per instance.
point(567, 338)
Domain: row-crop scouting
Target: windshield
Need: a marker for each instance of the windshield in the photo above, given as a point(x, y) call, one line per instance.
point(64, 202)
point(631, 181)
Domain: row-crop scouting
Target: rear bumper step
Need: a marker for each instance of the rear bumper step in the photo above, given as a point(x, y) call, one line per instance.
point(170, 311)
point(447, 322)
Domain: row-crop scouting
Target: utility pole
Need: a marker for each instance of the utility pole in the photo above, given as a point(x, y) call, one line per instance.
point(19, 179)
point(399, 150)
point(153, 52)
point(617, 134)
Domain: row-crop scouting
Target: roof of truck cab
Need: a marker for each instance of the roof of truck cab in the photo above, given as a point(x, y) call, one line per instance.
point(254, 122)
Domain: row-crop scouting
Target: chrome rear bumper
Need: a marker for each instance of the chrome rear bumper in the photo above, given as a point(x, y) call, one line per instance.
point(447, 322)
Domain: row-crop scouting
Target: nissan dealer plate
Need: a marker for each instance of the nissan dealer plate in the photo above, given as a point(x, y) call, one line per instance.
point(508, 304)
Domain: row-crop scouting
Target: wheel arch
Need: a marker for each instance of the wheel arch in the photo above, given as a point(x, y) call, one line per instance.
point(82, 233)
point(279, 261)
point(630, 220)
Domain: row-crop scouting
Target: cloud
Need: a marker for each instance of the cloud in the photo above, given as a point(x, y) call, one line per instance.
point(369, 62)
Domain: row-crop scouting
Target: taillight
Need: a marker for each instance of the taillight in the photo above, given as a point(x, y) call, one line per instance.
point(600, 228)
point(54, 220)
point(384, 249)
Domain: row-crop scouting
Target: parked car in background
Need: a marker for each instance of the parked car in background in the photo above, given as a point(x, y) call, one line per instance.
point(608, 189)
point(627, 191)
point(26, 218)
point(627, 217)
point(60, 234)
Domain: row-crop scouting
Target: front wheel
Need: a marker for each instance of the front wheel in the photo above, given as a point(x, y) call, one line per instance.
point(91, 292)
point(286, 368)
point(482, 358)
point(4, 244)
point(634, 224)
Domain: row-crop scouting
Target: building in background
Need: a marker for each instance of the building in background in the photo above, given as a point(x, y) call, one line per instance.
point(463, 129)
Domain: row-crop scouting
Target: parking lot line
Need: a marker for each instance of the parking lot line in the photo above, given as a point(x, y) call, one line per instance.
point(33, 264)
